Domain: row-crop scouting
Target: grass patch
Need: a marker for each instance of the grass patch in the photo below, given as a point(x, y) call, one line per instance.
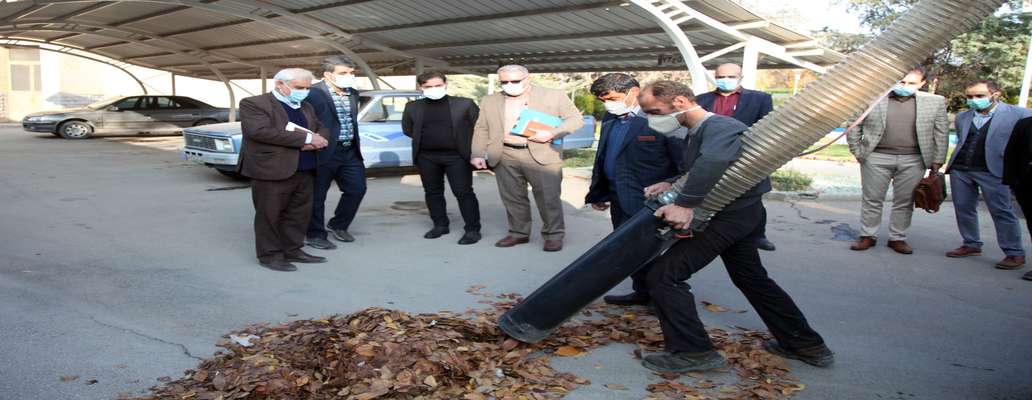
point(787, 180)
point(835, 152)
point(577, 158)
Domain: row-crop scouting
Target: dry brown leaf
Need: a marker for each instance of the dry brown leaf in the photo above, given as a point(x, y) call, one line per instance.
point(714, 308)
point(568, 351)
point(69, 378)
point(615, 386)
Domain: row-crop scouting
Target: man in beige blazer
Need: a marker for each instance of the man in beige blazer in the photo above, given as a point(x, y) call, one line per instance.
point(518, 160)
point(905, 135)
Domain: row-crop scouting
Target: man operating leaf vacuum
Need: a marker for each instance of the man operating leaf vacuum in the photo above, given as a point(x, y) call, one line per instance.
point(713, 143)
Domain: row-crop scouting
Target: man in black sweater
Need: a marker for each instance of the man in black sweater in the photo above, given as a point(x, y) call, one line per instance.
point(713, 143)
point(441, 128)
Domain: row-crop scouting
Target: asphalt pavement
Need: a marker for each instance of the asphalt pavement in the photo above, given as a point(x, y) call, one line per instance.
point(121, 263)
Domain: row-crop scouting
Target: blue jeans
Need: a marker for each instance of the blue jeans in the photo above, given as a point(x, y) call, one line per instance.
point(965, 186)
point(347, 169)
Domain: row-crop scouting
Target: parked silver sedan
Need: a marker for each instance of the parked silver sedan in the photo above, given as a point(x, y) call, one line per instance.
point(132, 114)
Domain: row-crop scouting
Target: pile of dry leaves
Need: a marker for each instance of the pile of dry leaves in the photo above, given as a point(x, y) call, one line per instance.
point(386, 354)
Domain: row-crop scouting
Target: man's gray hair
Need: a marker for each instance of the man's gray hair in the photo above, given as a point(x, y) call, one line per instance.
point(289, 74)
point(513, 68)
point(330, 63)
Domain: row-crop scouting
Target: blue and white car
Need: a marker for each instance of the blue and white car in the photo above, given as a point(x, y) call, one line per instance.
point(379, 124)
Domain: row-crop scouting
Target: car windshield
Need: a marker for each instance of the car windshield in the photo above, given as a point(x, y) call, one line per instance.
point(104, 103)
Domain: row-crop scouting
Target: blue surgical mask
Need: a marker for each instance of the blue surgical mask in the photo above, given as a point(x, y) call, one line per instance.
point(980, 103)
point(298, 95)
point(727, 84)
point(903, 91)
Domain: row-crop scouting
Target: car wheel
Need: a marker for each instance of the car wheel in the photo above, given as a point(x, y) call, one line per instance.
point(232, 174)
point(75, 130)
point(205, 122)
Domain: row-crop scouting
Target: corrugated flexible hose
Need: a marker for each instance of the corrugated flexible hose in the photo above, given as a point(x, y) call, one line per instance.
point(841, 93)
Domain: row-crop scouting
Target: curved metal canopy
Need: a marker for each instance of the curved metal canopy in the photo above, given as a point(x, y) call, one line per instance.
point(236, 39)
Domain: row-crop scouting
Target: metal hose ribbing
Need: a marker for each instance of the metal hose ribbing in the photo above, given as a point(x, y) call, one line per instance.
point(841, 93)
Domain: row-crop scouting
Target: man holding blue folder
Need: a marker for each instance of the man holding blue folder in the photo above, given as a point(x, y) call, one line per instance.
point(517, 134)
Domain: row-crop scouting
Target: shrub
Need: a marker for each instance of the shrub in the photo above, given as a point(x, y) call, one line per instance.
point(787, 180)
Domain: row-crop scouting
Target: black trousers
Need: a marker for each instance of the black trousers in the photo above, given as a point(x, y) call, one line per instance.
point(619, 216)
point(731, 236)
point(281, 212)
point(433, 167)
point(1024, 196)
point(348, 171)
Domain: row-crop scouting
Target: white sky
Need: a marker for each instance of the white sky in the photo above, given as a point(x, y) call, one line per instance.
point(813, 14)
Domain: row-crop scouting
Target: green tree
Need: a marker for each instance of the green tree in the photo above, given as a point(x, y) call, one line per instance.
point(993, 50)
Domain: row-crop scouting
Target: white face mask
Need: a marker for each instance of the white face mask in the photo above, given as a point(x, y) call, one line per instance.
point(513, 89)
point(617, 107)
point(665, 124)
point(435, 93)
point(344, 81)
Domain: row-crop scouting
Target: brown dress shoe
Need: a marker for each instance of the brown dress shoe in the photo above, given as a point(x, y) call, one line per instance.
point(1011, 262)
point(901, 246)
point(511, 240)
point(864, 243)
point(553, 245)
point(964, 251)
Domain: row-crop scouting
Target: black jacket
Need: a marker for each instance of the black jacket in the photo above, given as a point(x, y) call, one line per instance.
point(464, 115)
point(645, 158)
point(1017, 157)
point(319, 98)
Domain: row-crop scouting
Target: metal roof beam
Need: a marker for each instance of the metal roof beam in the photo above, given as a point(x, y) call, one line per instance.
point(532, 39)
point(329, 6)
point(489, 17)
point(148, 16)
point(33, 7)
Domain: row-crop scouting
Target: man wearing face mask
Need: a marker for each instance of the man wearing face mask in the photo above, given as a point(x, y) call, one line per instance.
point(732, 100)
point(977, 165)
point(335, 101)
point(903, 136)
point(280, 137)
point(441, 128)
point(630, 157)
point(713, 143)
point(518, 161)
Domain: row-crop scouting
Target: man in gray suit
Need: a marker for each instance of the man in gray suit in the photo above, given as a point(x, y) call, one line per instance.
point(904, 136)
point(977, 164)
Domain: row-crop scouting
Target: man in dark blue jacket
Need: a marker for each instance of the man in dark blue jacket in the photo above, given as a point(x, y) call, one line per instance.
point(748, 106)
point(335, 101)
point(630, 157)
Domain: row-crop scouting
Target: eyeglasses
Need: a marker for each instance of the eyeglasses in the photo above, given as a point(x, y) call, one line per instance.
point(726, 77)
point(508, 82)
point(976, 96)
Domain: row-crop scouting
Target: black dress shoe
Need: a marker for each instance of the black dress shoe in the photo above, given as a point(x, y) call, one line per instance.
point(278, 265)
point(342, 235)
point(437, 232)
point(470, 237)
point(764, 244)
point(305, 258)
point(320, 243)
point(818, 356)
point(630, 299)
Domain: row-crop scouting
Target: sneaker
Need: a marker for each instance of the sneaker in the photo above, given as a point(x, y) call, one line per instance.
point(342, 235)
point(679, 362)
point(765, 244)
point(1027, 276)
point(818, 356)
point(320, 243)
